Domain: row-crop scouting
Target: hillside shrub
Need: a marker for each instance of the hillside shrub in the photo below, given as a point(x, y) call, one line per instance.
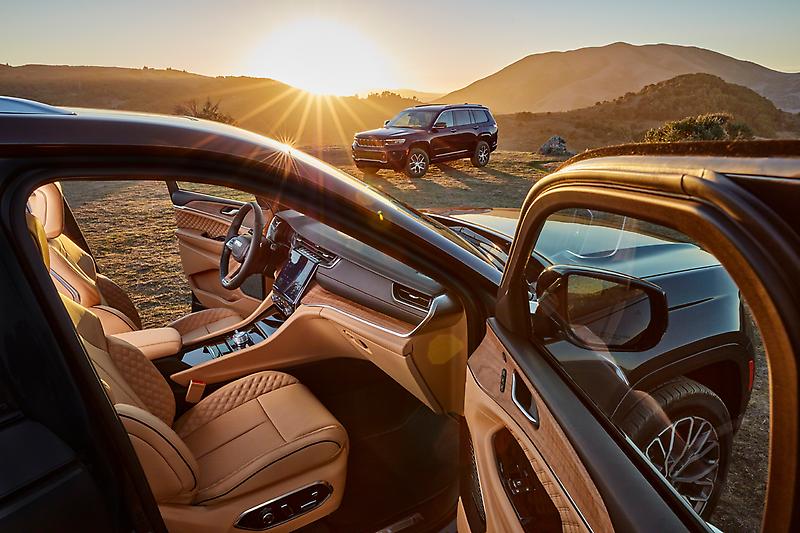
point(708, 127)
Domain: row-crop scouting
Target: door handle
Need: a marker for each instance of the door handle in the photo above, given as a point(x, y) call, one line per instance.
point(453, 130)
point(523, 399)
point(474, 127)
point(229, 210)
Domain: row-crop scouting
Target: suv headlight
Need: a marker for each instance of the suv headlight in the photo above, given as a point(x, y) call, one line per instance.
point(393, 142)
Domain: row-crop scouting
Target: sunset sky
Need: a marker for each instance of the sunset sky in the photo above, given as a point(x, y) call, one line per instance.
point(344, 47)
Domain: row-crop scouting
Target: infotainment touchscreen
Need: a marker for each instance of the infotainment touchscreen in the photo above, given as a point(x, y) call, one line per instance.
point(294, 277)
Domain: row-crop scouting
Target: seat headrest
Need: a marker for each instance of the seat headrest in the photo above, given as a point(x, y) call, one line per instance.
point(39, 238)
point(47, 204)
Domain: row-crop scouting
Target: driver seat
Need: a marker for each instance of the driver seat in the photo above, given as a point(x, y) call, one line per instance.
point(75, 275)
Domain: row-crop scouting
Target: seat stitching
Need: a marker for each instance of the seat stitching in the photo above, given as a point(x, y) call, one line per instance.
point(231, 439)
point(255, 459)
point(263, 468)
point(139, 421)
point(270, 419)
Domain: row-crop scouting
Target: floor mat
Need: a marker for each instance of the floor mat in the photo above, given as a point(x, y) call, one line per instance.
point(403, 457)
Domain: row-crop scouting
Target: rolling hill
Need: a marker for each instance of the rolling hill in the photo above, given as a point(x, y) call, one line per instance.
point(262, 105)
point(627, 118)
point(560, 81)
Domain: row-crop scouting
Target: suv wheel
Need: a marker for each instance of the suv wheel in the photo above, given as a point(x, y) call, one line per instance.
point(480, 157)
point(685, 430)
point(417, 163)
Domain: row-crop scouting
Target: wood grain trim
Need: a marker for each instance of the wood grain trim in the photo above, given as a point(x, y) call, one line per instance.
point(316, 295)
point(486, 365)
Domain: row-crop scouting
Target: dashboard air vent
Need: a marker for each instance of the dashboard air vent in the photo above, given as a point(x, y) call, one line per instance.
point(411, 297)
point(317, 253)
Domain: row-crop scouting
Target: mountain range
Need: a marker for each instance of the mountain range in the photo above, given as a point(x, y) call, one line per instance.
point(592, 96)
point(627, 118)
point(560, 81)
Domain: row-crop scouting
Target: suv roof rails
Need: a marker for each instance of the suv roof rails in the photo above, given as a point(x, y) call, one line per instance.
point(452, 105)
point(10, 105)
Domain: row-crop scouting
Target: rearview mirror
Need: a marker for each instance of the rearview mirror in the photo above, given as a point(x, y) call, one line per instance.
point(385, 122)
point(600, 310)
point(440, 125)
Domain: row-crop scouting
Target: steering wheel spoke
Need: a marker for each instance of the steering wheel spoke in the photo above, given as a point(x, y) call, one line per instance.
point(243, 249)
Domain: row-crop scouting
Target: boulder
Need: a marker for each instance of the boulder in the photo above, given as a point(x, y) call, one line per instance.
point(555, 145)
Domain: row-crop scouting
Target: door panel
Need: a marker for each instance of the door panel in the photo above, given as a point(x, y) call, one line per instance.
point(560, 480)
point(201, 226)
point(444, 140)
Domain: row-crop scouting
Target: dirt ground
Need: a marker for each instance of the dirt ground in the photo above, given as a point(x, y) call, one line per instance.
point(130, 228)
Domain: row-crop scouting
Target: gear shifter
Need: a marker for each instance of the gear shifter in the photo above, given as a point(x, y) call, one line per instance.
point(240, 339)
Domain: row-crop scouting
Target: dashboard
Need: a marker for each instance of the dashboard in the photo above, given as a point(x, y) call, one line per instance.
point(346, 267)
point(335, 296)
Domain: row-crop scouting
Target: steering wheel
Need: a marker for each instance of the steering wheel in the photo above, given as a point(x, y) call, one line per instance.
point(243, 248)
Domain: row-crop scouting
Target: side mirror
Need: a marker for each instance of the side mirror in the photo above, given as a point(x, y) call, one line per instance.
point(440, 125)
point(600, 310)
point(385, 122)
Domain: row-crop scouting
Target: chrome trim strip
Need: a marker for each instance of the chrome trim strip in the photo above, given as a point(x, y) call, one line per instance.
point(417, 307)
point(273, 500)
point(451, 153)
point(411, 333)
point(370, 160)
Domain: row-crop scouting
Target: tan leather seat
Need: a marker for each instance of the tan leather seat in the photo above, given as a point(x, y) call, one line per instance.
point(75, 275)
point(247, 443)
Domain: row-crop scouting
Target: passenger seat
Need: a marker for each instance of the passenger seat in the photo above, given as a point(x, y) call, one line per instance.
point(252, 441)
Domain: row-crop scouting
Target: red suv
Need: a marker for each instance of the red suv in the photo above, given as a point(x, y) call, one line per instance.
point(421, 135)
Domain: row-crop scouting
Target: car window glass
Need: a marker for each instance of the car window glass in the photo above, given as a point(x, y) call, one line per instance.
point(447, 118)
point(463, 117)
point(655, 332)
point(216, 190)
point(479, 116)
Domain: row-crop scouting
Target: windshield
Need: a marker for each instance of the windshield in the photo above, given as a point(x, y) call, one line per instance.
point(413, 118)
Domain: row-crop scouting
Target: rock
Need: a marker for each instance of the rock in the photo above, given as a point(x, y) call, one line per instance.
point(555, 145)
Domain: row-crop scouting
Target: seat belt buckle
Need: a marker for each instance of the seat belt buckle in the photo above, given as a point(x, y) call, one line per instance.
point(195, 391)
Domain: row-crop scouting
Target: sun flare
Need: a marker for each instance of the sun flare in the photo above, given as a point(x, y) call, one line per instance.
point(322, 56)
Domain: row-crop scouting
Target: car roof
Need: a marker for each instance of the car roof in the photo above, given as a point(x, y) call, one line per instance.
point(442, 107)
point(762, 157)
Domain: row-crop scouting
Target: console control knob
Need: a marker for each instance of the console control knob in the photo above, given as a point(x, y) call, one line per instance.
point(240, 338)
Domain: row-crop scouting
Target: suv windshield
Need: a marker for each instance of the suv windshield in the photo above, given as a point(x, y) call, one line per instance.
point(413, 118)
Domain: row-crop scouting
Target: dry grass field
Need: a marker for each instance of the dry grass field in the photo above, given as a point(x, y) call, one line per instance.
point(129, 226)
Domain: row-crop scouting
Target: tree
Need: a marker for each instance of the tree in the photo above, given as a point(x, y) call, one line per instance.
point(708, 127)
point(209, 111)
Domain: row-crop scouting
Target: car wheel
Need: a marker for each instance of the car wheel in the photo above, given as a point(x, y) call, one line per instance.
point(480, 157)
point(417, 163)
point(685, 430)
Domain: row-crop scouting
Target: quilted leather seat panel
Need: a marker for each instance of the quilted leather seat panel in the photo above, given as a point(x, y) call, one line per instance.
point(229, 397)
point(255, 444)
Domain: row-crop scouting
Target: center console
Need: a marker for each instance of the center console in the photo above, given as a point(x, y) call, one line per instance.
point(287, 291)
point(293, 280)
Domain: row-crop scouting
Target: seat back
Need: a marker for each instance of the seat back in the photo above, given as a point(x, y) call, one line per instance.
point(140, 395)
point(74, 271)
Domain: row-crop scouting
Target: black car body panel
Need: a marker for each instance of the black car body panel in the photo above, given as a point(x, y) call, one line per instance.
point(388, 147)
point(707, 324)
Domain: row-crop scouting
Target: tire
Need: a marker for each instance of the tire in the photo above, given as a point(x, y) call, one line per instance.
point(417, 163)
point(685, 407)
point(480, 157)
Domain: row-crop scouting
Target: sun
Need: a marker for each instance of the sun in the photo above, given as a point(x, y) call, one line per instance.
point(322, 56)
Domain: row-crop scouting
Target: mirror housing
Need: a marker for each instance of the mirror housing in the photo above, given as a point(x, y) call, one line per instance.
point(600, 310)
point(440, 125)
point(385, 122)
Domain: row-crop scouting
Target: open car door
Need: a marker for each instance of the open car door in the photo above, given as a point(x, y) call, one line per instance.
point(202, 221)
point(547, 439)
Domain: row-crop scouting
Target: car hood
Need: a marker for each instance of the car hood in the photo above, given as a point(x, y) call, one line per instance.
point(635, 253)
point(382, 133)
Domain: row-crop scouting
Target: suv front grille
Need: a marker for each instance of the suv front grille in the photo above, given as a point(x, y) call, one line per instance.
point(370, 143)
